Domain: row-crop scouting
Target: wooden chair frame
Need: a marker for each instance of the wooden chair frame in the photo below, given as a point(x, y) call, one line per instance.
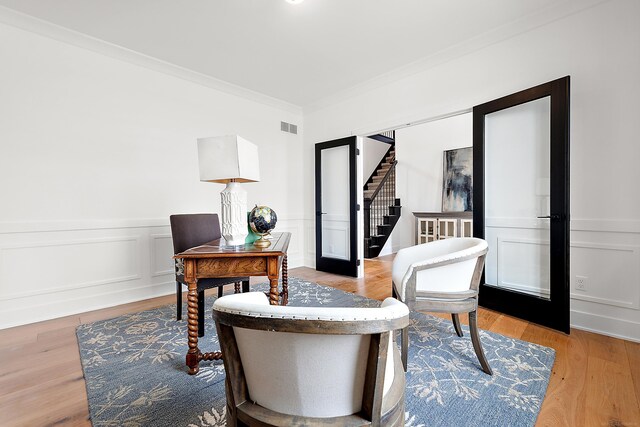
point(375, 411)
point(447, 302)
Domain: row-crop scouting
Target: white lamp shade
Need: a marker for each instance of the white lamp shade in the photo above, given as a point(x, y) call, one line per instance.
point(228, 158)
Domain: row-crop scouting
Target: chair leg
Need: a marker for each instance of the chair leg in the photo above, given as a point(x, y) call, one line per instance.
point(220, 289)
point(178, 301)
point(456, 323)
point(477, 345)
point(245, 286)
point(201, 313)
point(404, 344)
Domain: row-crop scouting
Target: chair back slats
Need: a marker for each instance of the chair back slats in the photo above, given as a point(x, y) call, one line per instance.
point(189, 230)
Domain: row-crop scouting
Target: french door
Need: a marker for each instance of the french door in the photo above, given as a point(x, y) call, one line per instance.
point(521, 202)
point(336, 207)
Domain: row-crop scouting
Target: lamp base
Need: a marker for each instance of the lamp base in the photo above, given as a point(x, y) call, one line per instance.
point(234, 214)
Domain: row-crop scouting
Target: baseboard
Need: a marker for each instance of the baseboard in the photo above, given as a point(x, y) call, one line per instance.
point(35, 315)
point(604, 325)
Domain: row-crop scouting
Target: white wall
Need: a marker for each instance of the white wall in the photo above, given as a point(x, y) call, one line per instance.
point(419, 151)
point(96, 153)
point(372, 153)
point(600, 49)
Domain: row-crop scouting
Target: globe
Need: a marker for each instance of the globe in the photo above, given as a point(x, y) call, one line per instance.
point(262, 219)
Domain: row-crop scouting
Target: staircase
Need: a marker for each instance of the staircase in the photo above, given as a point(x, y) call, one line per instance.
point(381, 208)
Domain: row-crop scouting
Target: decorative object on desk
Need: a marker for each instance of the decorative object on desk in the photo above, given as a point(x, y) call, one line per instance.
point(252, 236)
point(134, 370)
point(457, 182)
point(230, 159)
point(262, 220)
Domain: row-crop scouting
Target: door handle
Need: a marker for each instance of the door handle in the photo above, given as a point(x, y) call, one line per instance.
point(321, 213)
point(556, 217)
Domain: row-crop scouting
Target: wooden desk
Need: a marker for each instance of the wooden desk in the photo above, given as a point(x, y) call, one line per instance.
point(215, 259)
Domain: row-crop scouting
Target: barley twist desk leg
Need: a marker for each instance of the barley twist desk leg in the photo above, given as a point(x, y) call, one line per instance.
point(285, 281)
point(193, 354)
point(273, 291)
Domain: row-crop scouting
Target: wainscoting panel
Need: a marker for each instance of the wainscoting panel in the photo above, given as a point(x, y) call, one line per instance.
point(67, 265)
point(612, 272)
point(607, 254)
point(55, 269)
point(161, 253)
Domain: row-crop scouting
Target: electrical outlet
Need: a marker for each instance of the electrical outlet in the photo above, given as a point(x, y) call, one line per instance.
point(581, 283)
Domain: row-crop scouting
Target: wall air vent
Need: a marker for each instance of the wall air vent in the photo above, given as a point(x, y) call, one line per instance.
point(288, 127)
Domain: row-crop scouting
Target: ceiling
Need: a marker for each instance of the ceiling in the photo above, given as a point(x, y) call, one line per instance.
point(297, 53)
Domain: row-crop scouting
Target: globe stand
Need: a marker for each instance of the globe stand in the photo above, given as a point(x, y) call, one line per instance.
point(262, 242)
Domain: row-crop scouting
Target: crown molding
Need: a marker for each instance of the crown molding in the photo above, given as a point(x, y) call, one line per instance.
point(557, 11)
point(47, 29)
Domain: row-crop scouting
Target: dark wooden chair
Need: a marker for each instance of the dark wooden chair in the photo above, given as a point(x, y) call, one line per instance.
point(187, 231)
point(310, 366)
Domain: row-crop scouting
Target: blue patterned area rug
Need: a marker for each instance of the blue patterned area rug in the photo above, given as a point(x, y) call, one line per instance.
point(135, 372)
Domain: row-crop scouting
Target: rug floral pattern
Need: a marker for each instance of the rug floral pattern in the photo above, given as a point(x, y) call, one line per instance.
point(135, 374)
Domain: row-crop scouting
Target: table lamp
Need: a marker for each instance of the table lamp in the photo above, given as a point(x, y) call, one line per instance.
point(230, 159)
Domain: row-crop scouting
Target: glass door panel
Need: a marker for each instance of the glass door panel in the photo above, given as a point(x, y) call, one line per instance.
point(335, 203)
point(517, 156)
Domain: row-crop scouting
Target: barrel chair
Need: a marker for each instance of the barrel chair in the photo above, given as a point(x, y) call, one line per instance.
point(311, 365)
point(442, 276)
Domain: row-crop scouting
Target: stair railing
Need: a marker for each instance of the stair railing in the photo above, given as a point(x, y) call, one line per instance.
point(376, 207)
point(383, 161)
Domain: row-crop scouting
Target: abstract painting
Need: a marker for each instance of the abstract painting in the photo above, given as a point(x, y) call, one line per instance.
point(457, 183)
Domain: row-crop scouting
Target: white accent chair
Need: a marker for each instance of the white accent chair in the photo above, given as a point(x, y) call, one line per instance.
point(442, 276)
point(310, 365)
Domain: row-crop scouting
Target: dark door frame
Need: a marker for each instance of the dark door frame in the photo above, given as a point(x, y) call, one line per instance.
point(332, 265)
point(552, 312)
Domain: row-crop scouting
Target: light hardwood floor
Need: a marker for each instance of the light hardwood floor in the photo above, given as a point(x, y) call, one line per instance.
point(595, 379)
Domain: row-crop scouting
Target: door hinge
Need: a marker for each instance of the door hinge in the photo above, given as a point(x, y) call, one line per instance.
point(358, 263)
point(357, 151)
point(357, 207)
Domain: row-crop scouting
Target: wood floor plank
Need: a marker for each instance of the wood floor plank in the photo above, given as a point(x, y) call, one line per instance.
point(564, 403)
point(607, 348)
point(509, 326)
point(633, 355)
point(595, 379)
point(610, 395)
point(59, 402)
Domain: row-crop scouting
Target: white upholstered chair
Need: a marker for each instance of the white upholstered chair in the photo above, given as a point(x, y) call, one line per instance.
point(442, 276)
point(310, 365)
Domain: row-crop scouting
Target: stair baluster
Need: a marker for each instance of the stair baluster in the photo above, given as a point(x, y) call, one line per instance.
point(381, 210)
